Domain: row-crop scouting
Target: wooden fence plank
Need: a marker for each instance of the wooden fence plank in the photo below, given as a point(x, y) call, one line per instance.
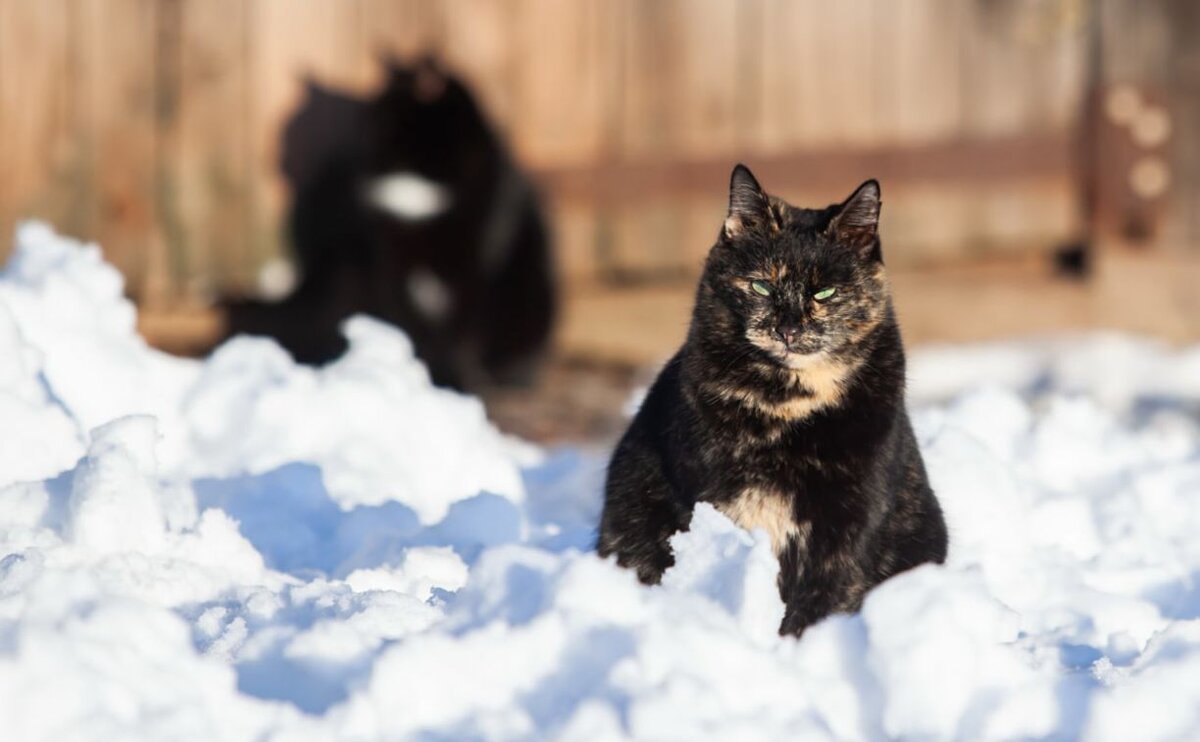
point(560, 80)
point(916, 77)
point(38, 98)
point(214, 166)
point(116, 77)
point(795, 113)
point(709, 79)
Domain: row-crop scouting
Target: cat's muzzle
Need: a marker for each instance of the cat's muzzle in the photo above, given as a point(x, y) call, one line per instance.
point(790, 336)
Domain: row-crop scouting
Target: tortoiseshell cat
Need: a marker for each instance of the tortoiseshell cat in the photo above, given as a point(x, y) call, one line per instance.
point(785, 410)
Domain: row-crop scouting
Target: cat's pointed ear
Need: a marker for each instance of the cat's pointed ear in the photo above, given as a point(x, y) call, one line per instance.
point(430, 80)
point(856, 223)
point(748, 205)
point(393, 65)
point(314, 88)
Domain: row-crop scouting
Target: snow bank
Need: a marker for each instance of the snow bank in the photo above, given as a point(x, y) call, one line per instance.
point(242, 548)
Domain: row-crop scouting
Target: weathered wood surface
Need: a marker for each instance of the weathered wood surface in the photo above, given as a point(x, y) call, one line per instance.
point(152, 126)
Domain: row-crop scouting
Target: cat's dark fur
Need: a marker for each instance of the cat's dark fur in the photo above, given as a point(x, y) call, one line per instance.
point(490, 249)
point(785, 412)
point(322, 154)
point(486, 255)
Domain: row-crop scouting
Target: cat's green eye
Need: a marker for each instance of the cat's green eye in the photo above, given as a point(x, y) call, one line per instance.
point(762, 288)
point(824, 294)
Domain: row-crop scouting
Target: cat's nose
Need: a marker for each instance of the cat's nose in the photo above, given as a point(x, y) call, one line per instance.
point(789, 335)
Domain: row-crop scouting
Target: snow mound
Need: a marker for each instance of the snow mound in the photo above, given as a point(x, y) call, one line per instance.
point(243, 548)
point(371, 421)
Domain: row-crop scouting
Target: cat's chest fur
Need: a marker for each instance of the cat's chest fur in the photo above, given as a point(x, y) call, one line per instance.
point(760, 476)
point(768, 508)
point(766, 485)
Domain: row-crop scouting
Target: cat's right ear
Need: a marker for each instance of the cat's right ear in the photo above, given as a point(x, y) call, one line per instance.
point(430, 80)
point(313, 88)
point(748, 205)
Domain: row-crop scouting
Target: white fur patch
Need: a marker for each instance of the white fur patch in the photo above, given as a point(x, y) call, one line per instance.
point(770, 511)
point(430, 294)
point(276, 279)
point(408, 196)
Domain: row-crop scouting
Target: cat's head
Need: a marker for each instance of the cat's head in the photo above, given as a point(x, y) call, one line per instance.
point(791, 285)
point(427, 121)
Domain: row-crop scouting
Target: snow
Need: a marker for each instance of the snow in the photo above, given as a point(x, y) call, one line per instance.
point(241, 548)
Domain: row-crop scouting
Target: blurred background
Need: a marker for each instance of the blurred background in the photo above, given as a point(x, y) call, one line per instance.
point(1040, 160)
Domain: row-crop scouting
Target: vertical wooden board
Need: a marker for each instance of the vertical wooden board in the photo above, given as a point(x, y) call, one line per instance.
point(702, 220)
point(561, 78)
point(827, 111)
point(793, 115)
point(1063, 96)
point(1135, 39)
point(1183, 91)
point(685, 74)
point(117, 77)
point(924, 224)
point(167, 261)
point(576, 230)
point(915, 70)
point(214, 168)
point(996, 97)
point(848, 64)
point(706, 117)
point(1035, 216)
point(561, 82)
point(817, 73)
point(749, 76)
point(1024, 68)
point(893, 26)
point(646, 240)
point(650, 77)
point(39, 153)
point(1055, 44)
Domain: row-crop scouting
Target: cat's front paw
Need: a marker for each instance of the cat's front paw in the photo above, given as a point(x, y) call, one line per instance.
point(794, 624)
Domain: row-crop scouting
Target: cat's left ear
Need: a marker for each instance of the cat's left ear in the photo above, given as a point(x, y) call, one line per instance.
point(856, 224)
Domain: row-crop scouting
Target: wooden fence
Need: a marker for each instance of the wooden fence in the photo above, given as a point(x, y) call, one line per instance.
point(152, 126)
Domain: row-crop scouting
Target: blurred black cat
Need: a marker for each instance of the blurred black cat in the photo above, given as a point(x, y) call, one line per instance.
point(322, 154)
point(785, 410)
point(409, 208)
